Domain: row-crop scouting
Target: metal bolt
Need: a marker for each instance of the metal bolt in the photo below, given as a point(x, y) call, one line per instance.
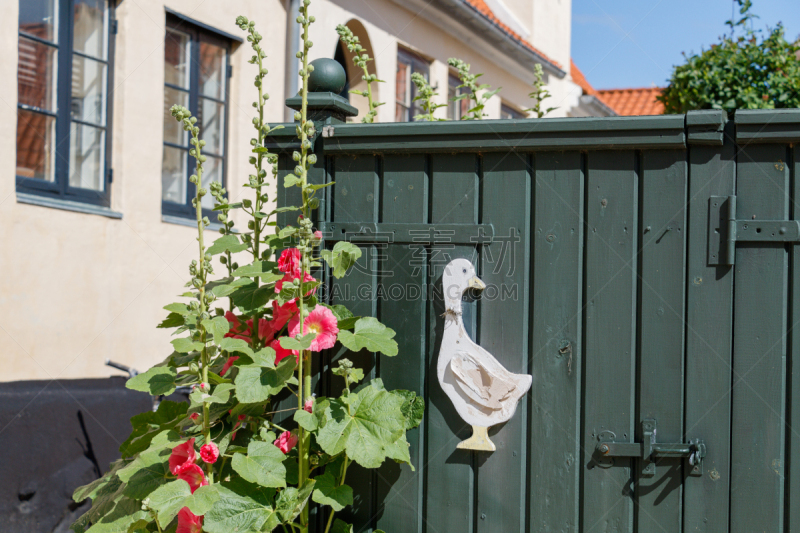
point(483, 516)
point(782, 231)
point(604, 202)
point(550, 237)
point(604, 448)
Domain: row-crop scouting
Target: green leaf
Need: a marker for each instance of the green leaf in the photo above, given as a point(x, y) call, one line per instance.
point(217, 326)
point(341, 527)
point(181, 309)
point(221, 394)
point(303, 343)
point(91, 490)
point(413, 407)
point(203, 499)
point(260, 269)
point(173, 320)
point(371, 335)
point(186, 345)
point(124, 513)
point(290, 180)
point(147, 426)
point(263, 464)
point(305, 420)
point(328, 492)
point(252, 296)
point(236, 512)
point(151, 471)
point(156, 381)
point(373, 422)
point(343, 256)
point(230, 344)
point(226, 243)
point(225, 286)
point(288, 231)
point(255, 384)
point(168, 499)
point(291, 500)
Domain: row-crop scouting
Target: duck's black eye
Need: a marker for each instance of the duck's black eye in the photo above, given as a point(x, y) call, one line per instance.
point(464, 270)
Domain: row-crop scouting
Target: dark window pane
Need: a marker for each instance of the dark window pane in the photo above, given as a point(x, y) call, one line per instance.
point(173, 130)
point(90, 35)
point(176, 58)
point(88, 90)
point(212, 171)
point(36, 142)
point(39, 18)
point(87, 157)
point(213, 67)
point(212, 125)
point(173, 175)
point(508, 112)
point(36, 74)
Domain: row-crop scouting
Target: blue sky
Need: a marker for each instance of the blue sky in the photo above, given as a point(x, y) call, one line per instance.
point(635, 43)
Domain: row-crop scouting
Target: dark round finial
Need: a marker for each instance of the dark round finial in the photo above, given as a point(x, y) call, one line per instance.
point(328, 76)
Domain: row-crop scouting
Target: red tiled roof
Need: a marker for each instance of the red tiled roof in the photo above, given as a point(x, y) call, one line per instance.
point(483, 9)
point(629, 102)
point(580, 79)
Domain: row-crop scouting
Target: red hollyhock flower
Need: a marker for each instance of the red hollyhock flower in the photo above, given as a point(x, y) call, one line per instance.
point(182, 454)
point(288, 277)
point(188, 522)
point(286, 441)
point(289, 262)
point(238, 330)
point(281, 314)
point(195, 416)
point(228, 364)
point(320, 321)
point(209, 452)
point(193, 475)
point(280, 352)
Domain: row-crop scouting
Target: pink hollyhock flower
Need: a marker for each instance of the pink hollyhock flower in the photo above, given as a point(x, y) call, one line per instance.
point(182, 454)
point(289, 262)
point(209, 452)
point(318, 235)
point(188, 522)
point(281, 314)
point(238, 331)
point(320, 321)
point(286, 441)
point(280, 352)
point(308, 406)
point(193, 475)
point(228, 364)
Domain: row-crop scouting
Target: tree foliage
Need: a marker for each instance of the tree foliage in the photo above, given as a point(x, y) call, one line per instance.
point(745, 70)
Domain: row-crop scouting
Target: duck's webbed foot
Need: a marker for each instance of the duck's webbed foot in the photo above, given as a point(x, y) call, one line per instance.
point(478, 441)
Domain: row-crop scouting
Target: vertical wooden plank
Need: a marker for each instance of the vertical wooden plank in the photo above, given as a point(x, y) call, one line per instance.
point(661, 314)
point(402, 308)
point(449, 475)
point(759, 346)
point(611, 211)
point(355, 199)
point(709, 319)
point(503, 326)
point(556, 355)
point(793, 382)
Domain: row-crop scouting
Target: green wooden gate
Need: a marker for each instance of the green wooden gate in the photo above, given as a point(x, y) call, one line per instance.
point(630, 271)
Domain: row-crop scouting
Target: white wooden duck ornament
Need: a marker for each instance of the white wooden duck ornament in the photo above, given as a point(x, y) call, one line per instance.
point(482, 391)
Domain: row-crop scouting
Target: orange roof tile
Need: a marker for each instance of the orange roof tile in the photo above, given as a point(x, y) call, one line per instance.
point(580, 79)
point(483, 9)
point(629, 102)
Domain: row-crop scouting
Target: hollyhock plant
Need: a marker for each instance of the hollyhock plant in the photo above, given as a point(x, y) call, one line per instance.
point(193, 475)
point(226, 328)
point(209, 453)
point(320, 321)
point(182, 454)
point(188, 522)
point(286, 441)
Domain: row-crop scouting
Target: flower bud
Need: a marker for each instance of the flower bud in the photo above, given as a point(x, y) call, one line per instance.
point(202, 191)
point(205, 387)
point(223, 259)
point(247, 202)
point(312, 159)
point(251, 225)
point(235, 266)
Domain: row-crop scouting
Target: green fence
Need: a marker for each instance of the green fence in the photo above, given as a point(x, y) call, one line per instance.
point(641, 269)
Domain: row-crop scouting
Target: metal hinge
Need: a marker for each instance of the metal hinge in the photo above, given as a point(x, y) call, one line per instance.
point(422, 234)
point(650, 450)
point(114, 26)
point(724, 230)
point(230, 71)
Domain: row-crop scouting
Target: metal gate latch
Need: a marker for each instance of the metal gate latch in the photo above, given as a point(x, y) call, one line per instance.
point(650, 450)
point(724, 230)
